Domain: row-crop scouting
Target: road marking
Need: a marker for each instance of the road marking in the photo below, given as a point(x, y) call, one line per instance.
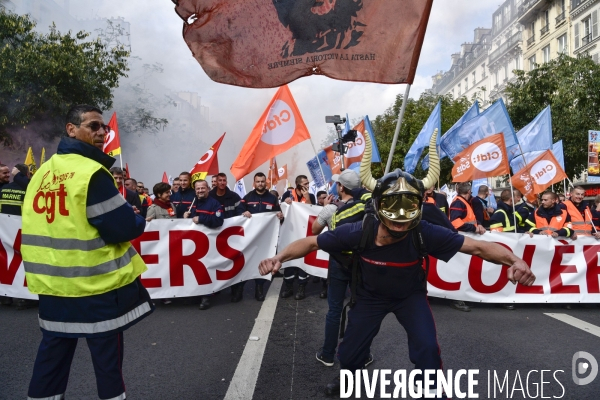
point(577, 323)
point(244, 379)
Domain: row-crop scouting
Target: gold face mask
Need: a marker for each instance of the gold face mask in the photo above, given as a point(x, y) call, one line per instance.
point(400, 207)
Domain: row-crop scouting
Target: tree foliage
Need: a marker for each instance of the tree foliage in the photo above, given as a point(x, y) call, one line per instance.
point(571, 86)
point(415, 116)
point(42, 75)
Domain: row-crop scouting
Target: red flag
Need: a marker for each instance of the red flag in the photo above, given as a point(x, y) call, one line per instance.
point(482, 159)
point(258, 43)
point(127, 175)
point(165, 178)
point(208, 163)
point(538, 175)
point(112, 141)
point(279, 129)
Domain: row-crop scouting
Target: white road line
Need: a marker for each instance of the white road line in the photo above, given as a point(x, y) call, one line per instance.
point(244, 379)
point(577, 323)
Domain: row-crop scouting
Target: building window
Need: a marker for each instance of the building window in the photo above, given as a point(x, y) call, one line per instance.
point(483, 71)
point(518, 62)
point(546, 53)
point(496, 80)
point(586, 36)
point(466, 84)
point(459, 89)
point(473, 75)
point(506, 72)
point(562, 44)
point(532, 63)
point(532, 30)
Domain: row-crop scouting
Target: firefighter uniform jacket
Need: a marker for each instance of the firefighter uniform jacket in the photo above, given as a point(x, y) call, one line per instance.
point(546, 221)
point(462, 216)
point(503, 220)
point(256, 203)
point(208, 211)
point(230, 201)
point(12, 195)
point(182, 201)
point(581, 217)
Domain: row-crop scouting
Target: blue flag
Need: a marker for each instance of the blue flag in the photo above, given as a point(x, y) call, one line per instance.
point(315, 169)
point(518, 163)
point(414, 153)
point(375, 157)
point(493, 120)
point(472, 112)
point(537, 135)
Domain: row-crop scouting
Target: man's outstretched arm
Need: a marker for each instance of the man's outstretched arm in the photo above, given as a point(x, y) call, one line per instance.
point(294, 250)
point(519, 271)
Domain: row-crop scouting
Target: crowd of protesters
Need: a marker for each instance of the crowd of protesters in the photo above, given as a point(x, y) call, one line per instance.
point(210, 203)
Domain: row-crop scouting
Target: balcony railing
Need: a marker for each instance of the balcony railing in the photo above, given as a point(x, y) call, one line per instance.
point(531, 40)
point(586, 39)
point(504, 47)
point(560, 18)
point(544, 30)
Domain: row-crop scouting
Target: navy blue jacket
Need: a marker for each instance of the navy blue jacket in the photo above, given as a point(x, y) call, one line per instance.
point(500, 218)
point(208, 211)
point(287, 194)
point(119, 225)
point(14, 192)
point(479, 206)
point(182, 201)
point(230, 201)
point(459, 210)
point(256, 203)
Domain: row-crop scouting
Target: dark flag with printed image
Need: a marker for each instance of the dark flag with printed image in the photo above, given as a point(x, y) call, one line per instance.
point(261, 44)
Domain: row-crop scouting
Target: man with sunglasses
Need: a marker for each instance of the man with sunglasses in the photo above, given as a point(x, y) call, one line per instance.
point(78, 258)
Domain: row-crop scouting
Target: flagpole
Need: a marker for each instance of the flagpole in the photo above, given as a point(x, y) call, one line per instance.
point(512, 194)
point(398, 125)
point(317, 157)
point(121, 160)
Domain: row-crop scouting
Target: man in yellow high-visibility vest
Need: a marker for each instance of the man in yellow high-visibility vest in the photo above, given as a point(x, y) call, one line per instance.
point(78, 259)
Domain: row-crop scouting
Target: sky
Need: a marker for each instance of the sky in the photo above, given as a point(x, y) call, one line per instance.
point(156, 37)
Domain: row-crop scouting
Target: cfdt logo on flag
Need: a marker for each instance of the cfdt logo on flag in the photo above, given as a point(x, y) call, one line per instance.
point(280, 124)
point(543, 171)
point(487, 157)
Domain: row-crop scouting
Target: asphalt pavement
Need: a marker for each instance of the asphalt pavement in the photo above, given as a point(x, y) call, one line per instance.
point(180, 352)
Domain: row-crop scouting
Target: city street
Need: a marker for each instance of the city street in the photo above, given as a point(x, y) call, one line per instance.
point(180, 352)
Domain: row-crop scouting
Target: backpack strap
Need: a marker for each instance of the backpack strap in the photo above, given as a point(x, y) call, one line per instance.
point(365, 239)
point(420, 245)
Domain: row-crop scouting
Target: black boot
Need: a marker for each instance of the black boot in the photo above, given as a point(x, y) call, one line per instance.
point(205, 303)
point(333, 387)
point(300, 295)
point(259, 293)
point(237, 292)
point(288, 290)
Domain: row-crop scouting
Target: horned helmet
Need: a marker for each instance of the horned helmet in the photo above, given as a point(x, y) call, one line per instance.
point(398, 196)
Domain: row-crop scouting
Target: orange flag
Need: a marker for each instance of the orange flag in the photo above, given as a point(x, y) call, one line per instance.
point(279, 129)
point(165, 178)
point(482, 159)
point(539, 174)
point(356, 148)
point(112, 142)
point(273, 176)
point(208, 163)
point(127, 174)
point(282, 173)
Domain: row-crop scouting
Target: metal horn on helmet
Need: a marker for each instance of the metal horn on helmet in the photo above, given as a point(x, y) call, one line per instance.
point(365, 165)
point(434, 163)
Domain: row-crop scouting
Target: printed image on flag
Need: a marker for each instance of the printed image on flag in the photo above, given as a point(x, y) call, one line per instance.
point(112, 141)
point(208, 163)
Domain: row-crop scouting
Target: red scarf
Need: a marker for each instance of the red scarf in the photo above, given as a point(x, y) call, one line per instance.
point(167, 206)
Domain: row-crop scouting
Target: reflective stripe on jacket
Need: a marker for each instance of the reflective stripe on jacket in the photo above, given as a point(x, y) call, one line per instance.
point(556, 223)
point(582, 225)
point(63, 254)
point(468, 219)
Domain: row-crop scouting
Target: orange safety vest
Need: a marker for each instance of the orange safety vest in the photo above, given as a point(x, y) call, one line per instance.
point(581, 225)
point(430, 200)
point(469, 219)
point(295, 197)
point(556, 223)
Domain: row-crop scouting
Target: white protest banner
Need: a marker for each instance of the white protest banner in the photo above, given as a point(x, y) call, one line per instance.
point(184, 259)
point(299, 218)
point(567, 270)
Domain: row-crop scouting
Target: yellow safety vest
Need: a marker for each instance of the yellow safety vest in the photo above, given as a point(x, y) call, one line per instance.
point(499, 227)
point(63, 253)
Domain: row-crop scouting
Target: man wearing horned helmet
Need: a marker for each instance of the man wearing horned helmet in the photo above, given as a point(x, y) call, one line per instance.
point(390, 246)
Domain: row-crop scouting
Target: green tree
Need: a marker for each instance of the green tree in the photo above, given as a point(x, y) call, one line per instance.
point(571, 87)
point(415, 116)
point(42, 75)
